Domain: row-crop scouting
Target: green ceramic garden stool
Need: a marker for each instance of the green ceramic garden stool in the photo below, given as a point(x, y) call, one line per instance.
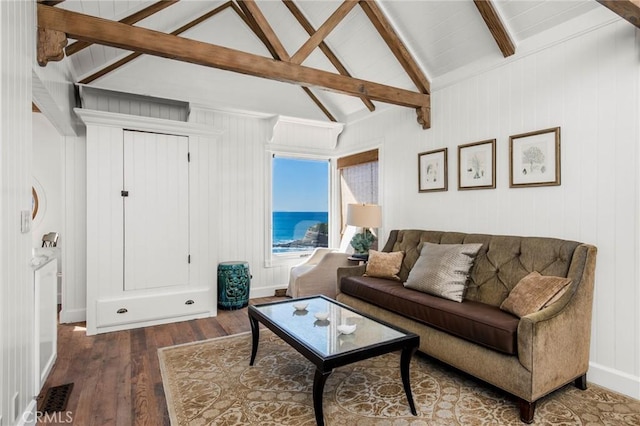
point(234, 280)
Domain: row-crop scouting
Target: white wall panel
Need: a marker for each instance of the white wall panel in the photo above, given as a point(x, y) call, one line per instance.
point(47, 177)
point(126, 103)
point(17, 366)
point(589, 87)
point(203, 213)
point(237, 168)
point(74, 230)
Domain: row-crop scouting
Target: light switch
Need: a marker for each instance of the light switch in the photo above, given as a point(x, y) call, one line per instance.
point(25, 221)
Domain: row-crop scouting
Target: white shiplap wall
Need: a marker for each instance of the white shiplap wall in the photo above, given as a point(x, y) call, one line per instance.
point(74, 229)
point(590, 87)
point(238, 211)
point(128, 103)
point(17, 367)
point(47, 178)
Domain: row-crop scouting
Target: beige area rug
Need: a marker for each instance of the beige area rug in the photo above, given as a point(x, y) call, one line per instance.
point(211, 383)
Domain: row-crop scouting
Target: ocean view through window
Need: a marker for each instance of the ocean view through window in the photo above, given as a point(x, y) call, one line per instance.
point(300, 201)
point(290, 229)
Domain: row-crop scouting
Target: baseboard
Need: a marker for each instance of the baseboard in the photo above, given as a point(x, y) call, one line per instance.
point(615, 380)
point(68, 316)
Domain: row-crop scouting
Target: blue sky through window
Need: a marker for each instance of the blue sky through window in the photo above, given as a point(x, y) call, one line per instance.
point(300, 185)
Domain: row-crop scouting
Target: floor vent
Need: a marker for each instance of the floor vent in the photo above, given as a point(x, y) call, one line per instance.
point(56, 399)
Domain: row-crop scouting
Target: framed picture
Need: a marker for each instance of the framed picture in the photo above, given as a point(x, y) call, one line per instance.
point(477, 165)
point(534, 158)
point(432, 170)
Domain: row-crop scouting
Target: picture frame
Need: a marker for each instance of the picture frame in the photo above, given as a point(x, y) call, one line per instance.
point(477, 165)
point(432, 171)
point(534, 158)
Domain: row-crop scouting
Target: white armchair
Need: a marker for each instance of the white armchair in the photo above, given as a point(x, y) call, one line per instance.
point(318, 273)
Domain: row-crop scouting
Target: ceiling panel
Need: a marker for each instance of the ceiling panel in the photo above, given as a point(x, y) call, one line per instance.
point(444, 37)
point(541, 16)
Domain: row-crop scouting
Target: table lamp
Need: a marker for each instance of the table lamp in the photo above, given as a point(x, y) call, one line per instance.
point(363, 216)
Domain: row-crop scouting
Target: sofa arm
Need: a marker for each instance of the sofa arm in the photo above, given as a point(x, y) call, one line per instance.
point(351, 271)
point(555, 341)
point(309, 279)
point(317, 256)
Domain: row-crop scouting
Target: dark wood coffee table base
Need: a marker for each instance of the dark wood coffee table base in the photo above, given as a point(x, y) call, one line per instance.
point(325, 365)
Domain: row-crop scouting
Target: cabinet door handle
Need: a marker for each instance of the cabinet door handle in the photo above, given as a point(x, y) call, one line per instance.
point(189, 302)
point(122, 311)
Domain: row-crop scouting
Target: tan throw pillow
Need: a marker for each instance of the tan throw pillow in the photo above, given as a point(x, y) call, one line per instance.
point(384, 265)
point(533, 293)
point(442, 269)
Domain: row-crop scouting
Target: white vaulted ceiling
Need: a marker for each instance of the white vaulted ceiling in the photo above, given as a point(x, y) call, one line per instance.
point(444, 37)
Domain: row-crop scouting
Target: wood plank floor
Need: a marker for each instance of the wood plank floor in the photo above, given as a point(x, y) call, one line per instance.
point(116, 375)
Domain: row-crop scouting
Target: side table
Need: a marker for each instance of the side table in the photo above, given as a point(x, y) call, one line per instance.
point(234, 282)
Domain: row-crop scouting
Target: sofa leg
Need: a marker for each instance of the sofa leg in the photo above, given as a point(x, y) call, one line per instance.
point(581, 382)
point(527, 410)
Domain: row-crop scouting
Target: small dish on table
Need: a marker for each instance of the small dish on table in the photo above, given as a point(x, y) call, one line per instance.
point(346, 328)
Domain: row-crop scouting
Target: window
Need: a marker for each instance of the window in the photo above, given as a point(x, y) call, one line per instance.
point(299, 205)
point(358, 180)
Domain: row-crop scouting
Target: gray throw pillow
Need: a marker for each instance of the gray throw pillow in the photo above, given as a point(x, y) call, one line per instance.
point(442, 269)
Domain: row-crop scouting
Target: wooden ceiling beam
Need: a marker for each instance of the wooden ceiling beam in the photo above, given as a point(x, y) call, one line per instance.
point(297, 13)
point(322, 32)
point(131, 19)
point(627, 9)
point(248, 18)
point(109, 68)
point(255, 12)
point(115, 34)
point(389, 35)
point(106, 70)
point(244, 13)
point(496, 26)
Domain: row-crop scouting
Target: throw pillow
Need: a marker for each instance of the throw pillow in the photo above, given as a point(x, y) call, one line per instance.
point(534, 292)
point(384, 265)
point(442, 269)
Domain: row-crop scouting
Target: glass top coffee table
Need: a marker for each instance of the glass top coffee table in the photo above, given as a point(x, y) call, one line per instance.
point(320, 342)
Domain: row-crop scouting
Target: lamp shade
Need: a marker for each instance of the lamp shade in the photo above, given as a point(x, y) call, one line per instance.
point(364, 215)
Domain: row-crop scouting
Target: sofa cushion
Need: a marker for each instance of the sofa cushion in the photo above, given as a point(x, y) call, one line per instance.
point(474, 321)
point(384, 265)
point(533, 293)
point(443, 269)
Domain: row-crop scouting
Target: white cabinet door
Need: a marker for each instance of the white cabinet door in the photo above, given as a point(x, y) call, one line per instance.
point(156, 210)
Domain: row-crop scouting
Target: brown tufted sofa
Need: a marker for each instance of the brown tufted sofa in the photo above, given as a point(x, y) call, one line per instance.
point(528, 357)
